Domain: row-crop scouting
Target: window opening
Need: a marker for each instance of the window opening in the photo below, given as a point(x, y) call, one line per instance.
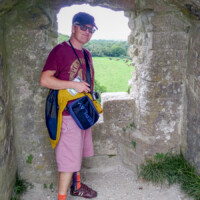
point(108, 46)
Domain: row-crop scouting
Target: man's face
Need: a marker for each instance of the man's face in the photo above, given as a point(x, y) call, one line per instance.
point(82, 33)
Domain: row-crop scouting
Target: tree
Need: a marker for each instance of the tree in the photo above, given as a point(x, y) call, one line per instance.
point(117, 51)
point(99, 48)
point(62, 38)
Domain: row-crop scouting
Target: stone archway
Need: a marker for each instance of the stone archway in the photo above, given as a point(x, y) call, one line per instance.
point(165, 94)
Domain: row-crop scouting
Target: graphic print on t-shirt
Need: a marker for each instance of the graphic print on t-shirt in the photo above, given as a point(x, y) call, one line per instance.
point(76, 69)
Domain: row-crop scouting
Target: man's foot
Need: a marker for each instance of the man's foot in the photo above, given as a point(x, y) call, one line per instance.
point(84, 191)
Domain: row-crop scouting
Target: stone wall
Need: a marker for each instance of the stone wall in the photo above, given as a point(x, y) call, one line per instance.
point(8, 163)
point(159, 51)
point(29, 37)
point(118, 114)
point(166, 80)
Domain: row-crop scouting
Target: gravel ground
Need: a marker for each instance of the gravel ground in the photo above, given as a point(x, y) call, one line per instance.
point(114, 183)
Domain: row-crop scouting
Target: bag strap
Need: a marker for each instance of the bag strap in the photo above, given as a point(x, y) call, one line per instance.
point(88, 75)
point(75, 52)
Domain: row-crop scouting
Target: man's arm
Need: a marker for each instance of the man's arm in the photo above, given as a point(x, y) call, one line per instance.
point(48, 80)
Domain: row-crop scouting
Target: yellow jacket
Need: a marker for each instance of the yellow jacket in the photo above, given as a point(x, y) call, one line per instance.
point(63, 97)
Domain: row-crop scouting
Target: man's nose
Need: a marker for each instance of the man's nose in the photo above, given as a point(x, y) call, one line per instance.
point(87, 30)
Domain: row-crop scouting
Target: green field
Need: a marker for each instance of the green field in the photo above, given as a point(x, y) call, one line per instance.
point(113, 74)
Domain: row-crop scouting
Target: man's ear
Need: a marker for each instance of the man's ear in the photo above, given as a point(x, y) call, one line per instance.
point(73, 28)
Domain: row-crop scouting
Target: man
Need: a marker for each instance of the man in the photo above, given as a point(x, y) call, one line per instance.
point(62, 66)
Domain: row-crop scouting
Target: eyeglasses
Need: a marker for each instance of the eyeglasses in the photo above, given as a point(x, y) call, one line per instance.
point(84, 28)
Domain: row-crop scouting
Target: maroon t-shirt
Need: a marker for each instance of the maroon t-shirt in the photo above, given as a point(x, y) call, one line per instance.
point(63, 60)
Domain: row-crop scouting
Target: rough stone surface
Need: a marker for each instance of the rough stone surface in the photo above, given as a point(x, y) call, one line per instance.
point(160, 115)
point(27, 53)
point(8, 163)
point(1, 61)
point(159, 52)
point(117, 107)
point(112, 183)
point(193, 101)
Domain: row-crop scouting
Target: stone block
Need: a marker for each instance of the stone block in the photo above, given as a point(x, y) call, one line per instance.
point(156, 5)
point(129, 157)
point(104, 139)
point(146, 129)
point(168, 40)
point(167, 129)
point(114, 4)
point(117, 107)
point(144, 147)
point(142, 142)
point(170, 22)
point(123, 131)
point(165, 126)
point(160, 104)
point(166, 59)
point(153, 72)
point(42, 168)
point(164, 89)
point(143, 22)
point(148, 145)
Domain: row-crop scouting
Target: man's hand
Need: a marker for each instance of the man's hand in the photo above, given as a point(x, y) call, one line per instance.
point(81, 87)
point(48, 80)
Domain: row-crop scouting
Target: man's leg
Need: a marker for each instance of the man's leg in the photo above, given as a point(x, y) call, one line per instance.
point(78, 188)
point(73, 144)
point(66, 155)
point(64, 182)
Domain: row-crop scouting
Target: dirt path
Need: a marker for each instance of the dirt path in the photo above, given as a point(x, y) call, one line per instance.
point(114, 183)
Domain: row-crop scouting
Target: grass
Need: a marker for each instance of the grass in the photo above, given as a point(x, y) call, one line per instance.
point(29, 159)
point(20, 188)
point(113, 74)
point(173, 169)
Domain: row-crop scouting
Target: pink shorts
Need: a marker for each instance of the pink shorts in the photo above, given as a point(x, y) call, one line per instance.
point(74, 144)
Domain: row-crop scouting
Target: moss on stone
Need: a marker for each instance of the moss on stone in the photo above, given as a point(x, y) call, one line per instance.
point(7, 7)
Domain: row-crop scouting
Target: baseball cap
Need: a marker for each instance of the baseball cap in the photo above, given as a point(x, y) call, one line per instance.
point(83, 19)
